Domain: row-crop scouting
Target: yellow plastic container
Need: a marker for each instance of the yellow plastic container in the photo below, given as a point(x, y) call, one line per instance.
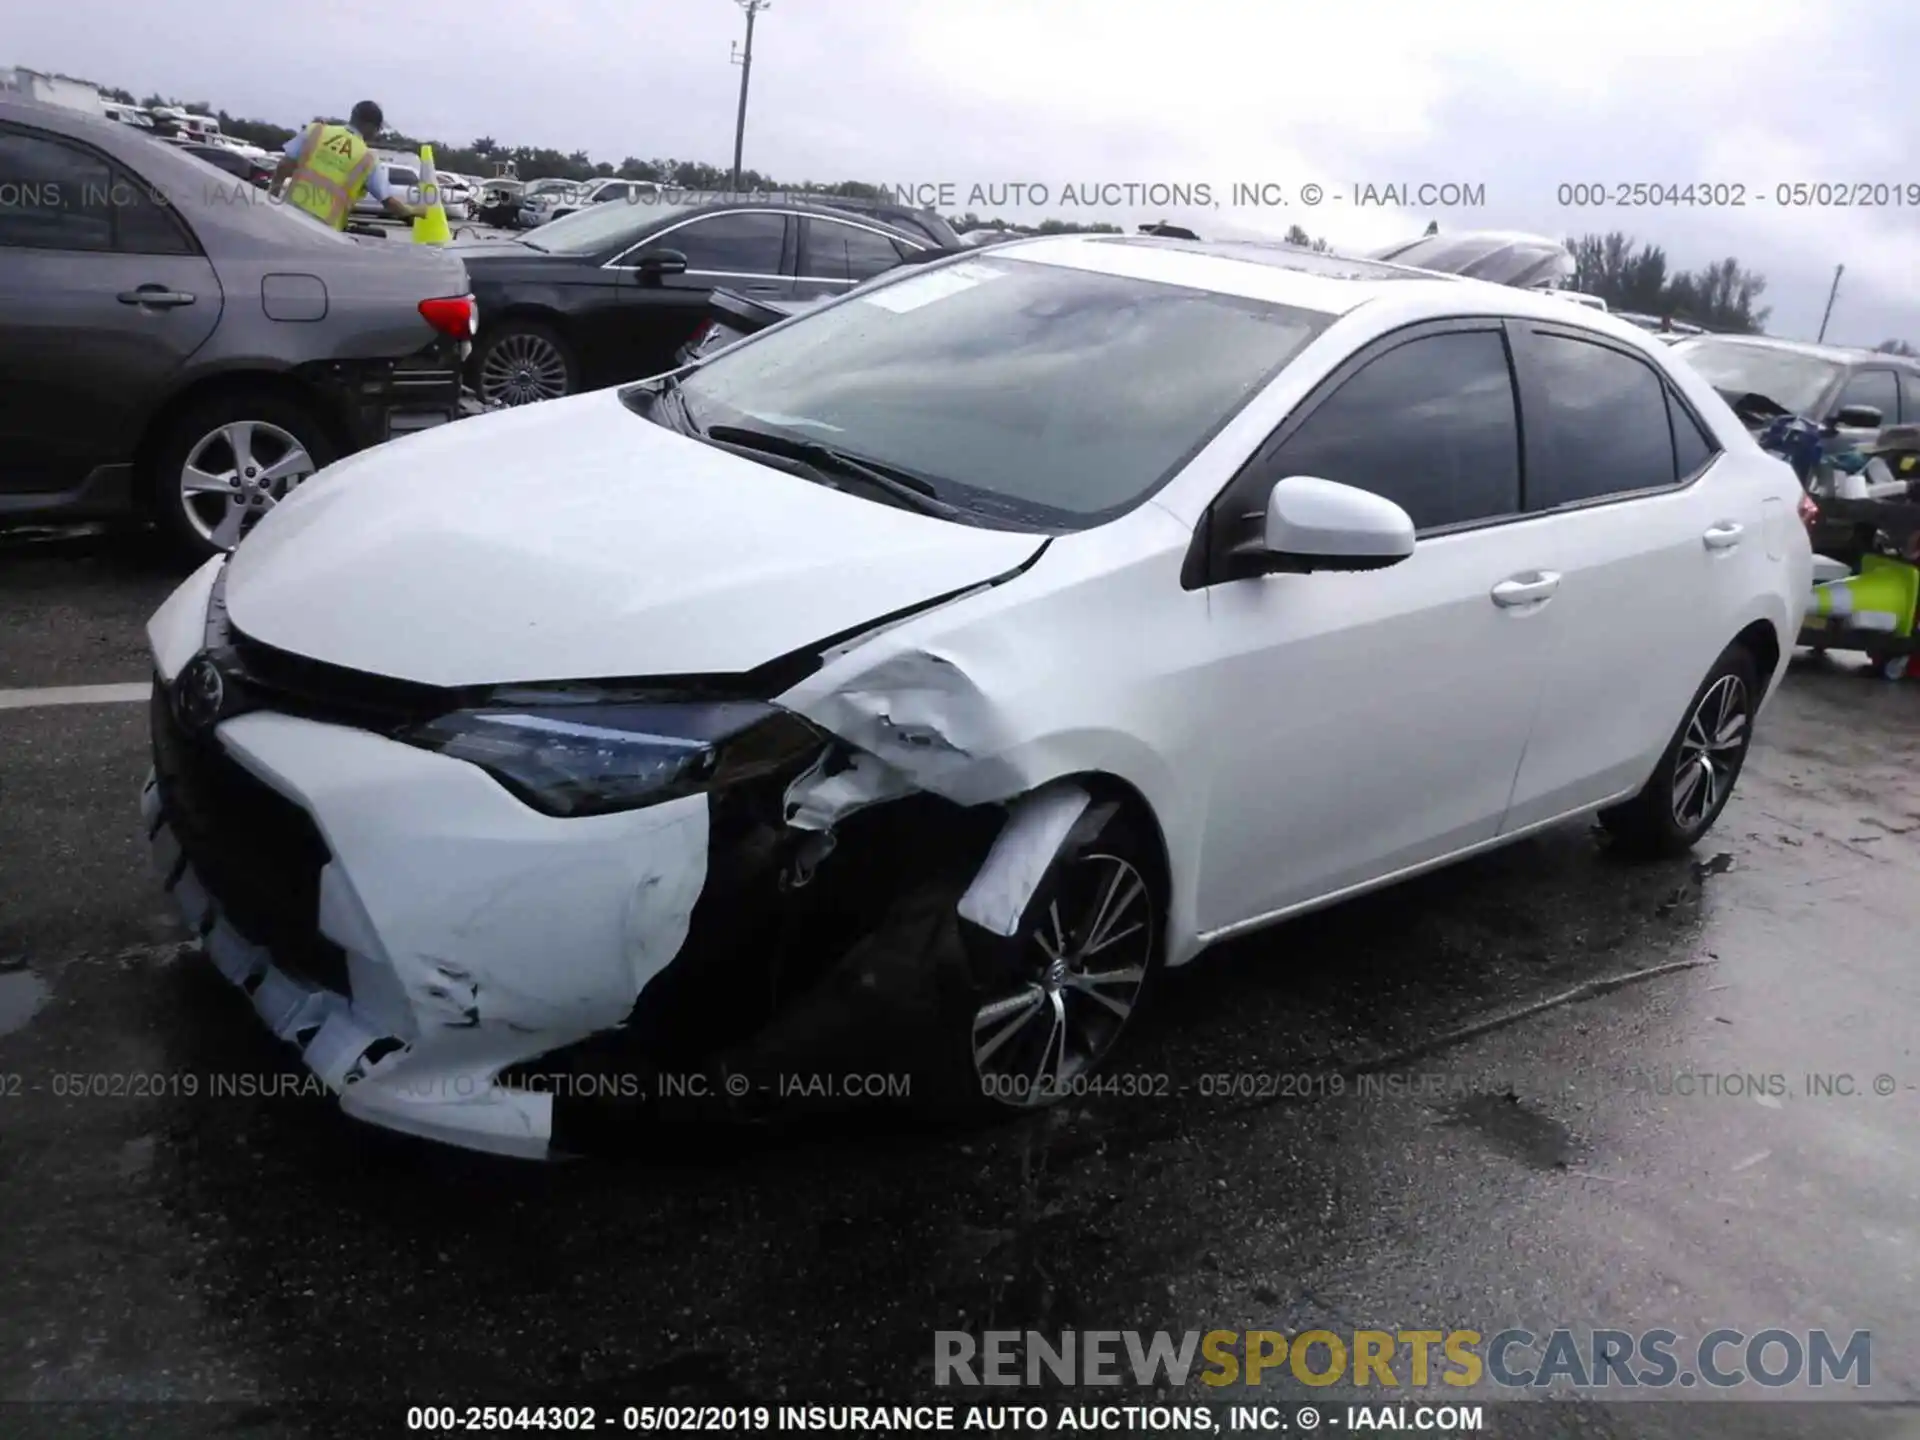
point(1885, 587)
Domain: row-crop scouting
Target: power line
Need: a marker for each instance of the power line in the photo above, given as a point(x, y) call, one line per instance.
point(1838, 271)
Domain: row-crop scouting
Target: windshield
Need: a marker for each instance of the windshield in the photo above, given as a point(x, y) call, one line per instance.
point(1057, 394)
point(603, 227)
point(1794, 380)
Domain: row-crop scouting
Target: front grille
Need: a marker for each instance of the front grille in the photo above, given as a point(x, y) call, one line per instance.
point(258, 854)
point(315, 690)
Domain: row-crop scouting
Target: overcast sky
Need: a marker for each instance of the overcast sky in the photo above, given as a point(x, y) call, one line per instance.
point(1518, 99)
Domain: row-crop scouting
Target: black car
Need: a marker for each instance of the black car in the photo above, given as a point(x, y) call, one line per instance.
point(242, 167)
point(611, 294)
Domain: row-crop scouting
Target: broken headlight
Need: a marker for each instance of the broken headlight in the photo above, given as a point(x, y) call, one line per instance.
point(595, 759)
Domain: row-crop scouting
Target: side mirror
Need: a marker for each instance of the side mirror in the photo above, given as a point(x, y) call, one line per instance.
point(650, 265)
point(1315, 524)
point(1858, 417)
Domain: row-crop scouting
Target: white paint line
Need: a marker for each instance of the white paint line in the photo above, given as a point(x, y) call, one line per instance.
point(73, 695)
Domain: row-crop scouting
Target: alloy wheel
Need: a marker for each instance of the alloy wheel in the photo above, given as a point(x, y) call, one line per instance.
point(235, 474)
point(1087, 959)
point(522, 368)
point(1710, 751)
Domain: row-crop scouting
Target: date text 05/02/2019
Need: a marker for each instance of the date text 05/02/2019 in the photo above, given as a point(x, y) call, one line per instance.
point(1739, 195)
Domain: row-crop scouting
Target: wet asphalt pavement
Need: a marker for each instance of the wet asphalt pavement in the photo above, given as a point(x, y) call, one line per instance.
point(1471, 1119)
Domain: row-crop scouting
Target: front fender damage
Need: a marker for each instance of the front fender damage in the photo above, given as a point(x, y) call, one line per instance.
point(851, 908)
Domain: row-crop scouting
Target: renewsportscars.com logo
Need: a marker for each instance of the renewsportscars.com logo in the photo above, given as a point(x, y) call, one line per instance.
point(1514, 1359)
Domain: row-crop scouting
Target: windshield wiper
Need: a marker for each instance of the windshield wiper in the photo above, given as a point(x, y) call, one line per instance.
point(909, 490)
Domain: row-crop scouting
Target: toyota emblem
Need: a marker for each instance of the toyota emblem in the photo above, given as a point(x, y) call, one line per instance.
point(199, 694)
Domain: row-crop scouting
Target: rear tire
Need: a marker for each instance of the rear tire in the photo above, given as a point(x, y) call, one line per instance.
point(1696, 774)
point(520, 362)
point(228, 460)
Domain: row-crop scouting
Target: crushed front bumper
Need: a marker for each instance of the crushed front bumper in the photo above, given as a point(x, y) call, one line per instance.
point(405, 923)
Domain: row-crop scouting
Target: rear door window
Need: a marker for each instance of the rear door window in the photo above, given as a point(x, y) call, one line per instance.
point(1603, 430)
point(847, 252)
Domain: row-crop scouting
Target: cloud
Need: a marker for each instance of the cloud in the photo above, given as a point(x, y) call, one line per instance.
point(1520, 99)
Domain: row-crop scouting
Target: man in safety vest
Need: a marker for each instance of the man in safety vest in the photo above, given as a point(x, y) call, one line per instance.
point(327, 168)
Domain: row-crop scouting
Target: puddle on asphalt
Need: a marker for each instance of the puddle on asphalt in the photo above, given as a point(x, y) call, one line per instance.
point(22, 993)
point(1525, 1134)
point(1718, 865)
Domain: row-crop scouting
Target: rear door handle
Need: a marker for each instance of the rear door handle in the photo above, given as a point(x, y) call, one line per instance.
point(1529, 589)
point(1724, 536)
point(156, 296)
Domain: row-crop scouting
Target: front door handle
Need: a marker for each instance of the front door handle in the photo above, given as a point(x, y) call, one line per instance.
point(1724, 536)
point(1529, 589)
point(157, 297)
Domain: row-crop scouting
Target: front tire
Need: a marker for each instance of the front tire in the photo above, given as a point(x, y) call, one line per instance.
point(1086, 960)
point(521, 362)
point(227, 461)
point(1696, 774)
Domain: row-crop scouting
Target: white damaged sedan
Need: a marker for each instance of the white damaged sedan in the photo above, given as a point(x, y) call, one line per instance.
point(979, 643)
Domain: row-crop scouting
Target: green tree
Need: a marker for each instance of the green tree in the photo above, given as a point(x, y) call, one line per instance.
point(1633, 276)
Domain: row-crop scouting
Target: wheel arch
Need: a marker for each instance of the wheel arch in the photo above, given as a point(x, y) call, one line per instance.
point(1762, 639)
point(536, 312)
point(258, 379)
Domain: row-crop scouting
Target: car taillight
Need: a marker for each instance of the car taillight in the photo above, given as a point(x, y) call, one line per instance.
point(1809, 512)
point(455, 315)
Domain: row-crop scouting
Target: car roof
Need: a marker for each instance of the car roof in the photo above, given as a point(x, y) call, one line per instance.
point(1321, 281)
point(1840, 354)
point(1288, 274)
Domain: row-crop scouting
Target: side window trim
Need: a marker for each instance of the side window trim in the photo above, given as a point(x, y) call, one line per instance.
point(1520, 335)
point(1680, 408)
point(1204, 565)
point(787, 243)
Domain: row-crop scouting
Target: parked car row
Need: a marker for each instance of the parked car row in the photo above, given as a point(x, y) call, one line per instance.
point(613, 292)
point(167, 353)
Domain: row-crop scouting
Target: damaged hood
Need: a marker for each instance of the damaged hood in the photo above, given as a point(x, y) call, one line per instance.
point(576, 540)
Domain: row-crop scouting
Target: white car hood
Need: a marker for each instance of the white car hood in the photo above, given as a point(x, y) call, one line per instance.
point(575, 540)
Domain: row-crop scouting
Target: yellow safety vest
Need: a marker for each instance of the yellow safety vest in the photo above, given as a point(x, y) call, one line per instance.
point(330, 173)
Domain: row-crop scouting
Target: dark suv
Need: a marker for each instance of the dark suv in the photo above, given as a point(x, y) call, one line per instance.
point(1832, 386)
point(1852, 395)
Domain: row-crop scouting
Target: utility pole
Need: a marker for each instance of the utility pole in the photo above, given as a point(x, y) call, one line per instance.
point(1838, 271)
point(743, 57)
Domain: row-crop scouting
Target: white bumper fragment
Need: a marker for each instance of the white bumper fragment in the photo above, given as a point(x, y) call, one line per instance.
point(479, 934)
